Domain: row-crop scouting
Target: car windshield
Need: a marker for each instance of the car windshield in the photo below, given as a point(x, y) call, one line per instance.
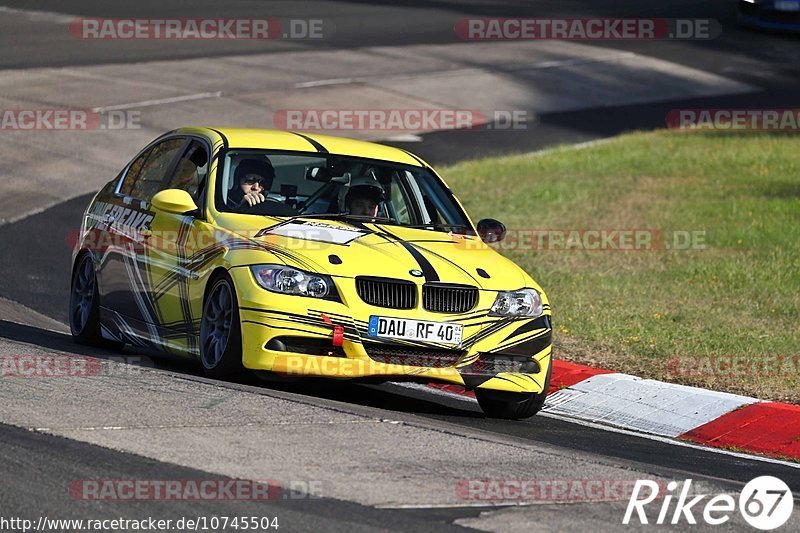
point(279, 184)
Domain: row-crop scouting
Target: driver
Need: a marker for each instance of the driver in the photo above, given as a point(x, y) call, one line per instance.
point(363, 197)
point(254, 178)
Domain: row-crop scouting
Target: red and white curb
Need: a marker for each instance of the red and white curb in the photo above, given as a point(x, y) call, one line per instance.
point(667, 411)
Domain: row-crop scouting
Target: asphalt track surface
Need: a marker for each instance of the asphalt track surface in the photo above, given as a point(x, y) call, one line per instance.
point(60, 461)
point(766, 59)
point(37, 467)
point(34, 268)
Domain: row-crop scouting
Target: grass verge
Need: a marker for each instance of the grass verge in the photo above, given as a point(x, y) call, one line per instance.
point(713, 301)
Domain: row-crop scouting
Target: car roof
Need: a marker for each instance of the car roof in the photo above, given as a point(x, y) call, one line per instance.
point(304, 142)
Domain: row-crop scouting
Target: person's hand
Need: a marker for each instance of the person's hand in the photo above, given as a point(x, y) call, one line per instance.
point(252, 198)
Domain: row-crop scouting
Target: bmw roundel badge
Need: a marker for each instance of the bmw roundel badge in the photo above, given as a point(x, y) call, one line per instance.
point(416, 273)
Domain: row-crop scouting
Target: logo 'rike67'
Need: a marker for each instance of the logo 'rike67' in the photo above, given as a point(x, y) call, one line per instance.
point(765, 503)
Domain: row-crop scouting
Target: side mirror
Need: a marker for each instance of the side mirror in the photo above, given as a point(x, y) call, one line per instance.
point(491, 230)
point(174, 201)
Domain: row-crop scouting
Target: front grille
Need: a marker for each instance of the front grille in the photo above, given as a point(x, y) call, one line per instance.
point(387, 292)
point(449, 298)
point(398, 355)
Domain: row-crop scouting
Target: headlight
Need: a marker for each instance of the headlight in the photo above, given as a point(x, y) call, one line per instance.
point(524, 302)
point(288, 280)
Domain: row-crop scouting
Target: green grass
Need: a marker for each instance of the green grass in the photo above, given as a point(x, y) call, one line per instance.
point(632, 311)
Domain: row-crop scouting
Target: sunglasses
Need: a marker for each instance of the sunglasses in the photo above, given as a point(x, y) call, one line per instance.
point(254, 178)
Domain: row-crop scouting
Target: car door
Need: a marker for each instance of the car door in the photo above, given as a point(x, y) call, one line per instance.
point(177, 250)
point(124, 275)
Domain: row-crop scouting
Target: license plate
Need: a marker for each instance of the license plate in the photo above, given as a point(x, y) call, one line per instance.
point(787, 5)
point(414, 330)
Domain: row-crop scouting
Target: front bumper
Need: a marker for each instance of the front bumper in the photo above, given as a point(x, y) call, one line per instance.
point(293, 335)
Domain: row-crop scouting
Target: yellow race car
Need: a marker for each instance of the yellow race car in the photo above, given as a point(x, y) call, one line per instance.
point(307, 255)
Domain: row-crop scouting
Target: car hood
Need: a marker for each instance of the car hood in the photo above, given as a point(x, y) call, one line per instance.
point(350, 249)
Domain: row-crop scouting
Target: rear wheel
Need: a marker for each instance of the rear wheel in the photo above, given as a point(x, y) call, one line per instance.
point(220, 331)
point(512, 405)
point(84, 307)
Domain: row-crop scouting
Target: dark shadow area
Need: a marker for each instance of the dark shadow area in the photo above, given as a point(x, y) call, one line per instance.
point(450, 147)
point(380, 396)
point(58, 464)
point(344, 391)
point(62, 342)
point(36, 264)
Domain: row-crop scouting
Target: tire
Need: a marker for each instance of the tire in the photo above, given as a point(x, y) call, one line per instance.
point(221, 331)
point(84, 307)
point(513, 405)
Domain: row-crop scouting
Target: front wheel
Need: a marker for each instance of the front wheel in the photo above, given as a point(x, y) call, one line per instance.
point(512, 405)
point(220, 331)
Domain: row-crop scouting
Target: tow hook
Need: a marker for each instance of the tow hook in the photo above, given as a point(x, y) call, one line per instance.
point(338, 331)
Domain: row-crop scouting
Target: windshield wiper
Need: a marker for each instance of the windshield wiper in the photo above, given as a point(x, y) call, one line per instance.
point(375, 220)
point(343, 216)
point(438, 225)
point(367, 218)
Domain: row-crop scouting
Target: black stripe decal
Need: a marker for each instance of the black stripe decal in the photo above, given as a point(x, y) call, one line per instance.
point(538, 323)
point(443, 258)
point(427, 268)
point(222, 135)
point(317, 146)
point(417, 159)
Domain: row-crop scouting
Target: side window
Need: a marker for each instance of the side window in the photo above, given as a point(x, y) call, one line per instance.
point(191, 171)
point(133, 173)
point(144, 185)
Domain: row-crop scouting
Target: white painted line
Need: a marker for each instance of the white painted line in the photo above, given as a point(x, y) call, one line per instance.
point(160, 101)
point(323, 83)
point(582, 61)
point(576, 146)
point(404, 138)
point(644, 405)
point(55, 429)
point(39, 16)
point(486, 503)
point(434, 391)
point(466, 71)
point(78, 72)
point(36, 211)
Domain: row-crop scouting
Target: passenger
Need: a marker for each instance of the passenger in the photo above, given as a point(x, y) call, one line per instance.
point(364, 197)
